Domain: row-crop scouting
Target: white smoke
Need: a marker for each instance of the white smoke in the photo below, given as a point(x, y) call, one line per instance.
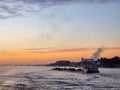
point(96, 55)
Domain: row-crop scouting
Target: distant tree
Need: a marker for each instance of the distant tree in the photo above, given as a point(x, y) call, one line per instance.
point(111, 62)
point(61, 63)
point(103, 62)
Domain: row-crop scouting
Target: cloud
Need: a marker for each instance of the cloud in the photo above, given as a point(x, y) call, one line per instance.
point(112, 48)
point(13, 8)
point(53, 50)
point(50, 51)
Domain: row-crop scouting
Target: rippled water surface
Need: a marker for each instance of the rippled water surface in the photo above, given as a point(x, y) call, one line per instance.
point(43, 78)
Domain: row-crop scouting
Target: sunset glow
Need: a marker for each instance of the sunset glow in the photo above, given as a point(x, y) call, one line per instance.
point(43, 32)
point(45, 56)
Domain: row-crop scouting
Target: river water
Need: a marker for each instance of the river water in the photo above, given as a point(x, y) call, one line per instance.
point(43, 78)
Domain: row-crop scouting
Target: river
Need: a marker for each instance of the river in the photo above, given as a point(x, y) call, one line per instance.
point(43, 78)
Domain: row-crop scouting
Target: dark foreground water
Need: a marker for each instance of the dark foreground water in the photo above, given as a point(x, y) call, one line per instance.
point(43, 78)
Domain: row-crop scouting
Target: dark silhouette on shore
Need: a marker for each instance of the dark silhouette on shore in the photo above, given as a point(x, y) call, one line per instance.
point(110, 62)
point(101, 62)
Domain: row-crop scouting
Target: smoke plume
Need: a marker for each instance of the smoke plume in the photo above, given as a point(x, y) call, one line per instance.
point(96, 55)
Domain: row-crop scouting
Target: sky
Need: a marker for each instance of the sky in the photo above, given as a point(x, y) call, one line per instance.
point(43, 31)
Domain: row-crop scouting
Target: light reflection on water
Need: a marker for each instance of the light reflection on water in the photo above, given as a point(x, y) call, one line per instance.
point(43, 78)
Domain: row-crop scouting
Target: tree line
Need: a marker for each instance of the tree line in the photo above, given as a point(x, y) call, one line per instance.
point(101, 62)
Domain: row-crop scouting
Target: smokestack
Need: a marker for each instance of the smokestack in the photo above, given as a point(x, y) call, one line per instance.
point(96, 55)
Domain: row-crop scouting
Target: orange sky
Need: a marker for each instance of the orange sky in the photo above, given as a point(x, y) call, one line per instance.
point(73, 30)
point(47, 55)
